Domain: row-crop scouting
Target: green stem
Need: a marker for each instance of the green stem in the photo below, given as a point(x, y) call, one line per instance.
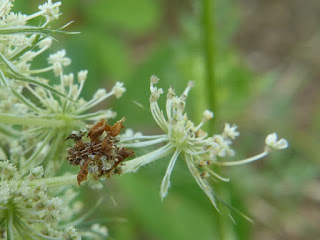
point(224, 226)
point(57, 181)
point(31, 121)
point(208, 41)
point(10, 226)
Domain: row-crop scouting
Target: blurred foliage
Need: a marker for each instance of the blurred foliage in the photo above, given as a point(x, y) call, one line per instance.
point(129, 41)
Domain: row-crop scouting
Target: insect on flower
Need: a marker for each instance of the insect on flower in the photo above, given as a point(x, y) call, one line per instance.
point(101, 156)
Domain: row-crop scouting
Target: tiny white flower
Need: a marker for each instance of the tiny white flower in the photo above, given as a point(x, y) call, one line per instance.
point(230, 131)
point(118, 89)
point(154, 79)
point(82, 76)
point(71, 233)
point(68, 79)
point(100, 93)
point(36, 173)
point(271, 141)
point(171, 93)
point(5, 7)
point(155, 93)
point(50, 10)
point(18, 19)
point(57, 60)
point(223, 146)
point(207, 115)
point(54, 203)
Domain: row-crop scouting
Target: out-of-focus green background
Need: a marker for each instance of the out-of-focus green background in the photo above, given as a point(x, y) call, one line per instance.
point(267, 70)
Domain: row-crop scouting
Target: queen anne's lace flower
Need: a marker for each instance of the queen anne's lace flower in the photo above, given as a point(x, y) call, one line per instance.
point(58, 60)
point(53, 111)
point(50, 10)
point(26, 209)
point(186, 140)
point(271, 141)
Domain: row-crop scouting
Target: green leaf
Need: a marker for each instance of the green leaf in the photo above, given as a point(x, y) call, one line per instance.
point(34, 30)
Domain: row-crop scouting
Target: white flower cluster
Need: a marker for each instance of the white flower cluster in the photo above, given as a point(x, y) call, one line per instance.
point(35, 118)
point(26, 208)
point(26, 95)
point(20, 43)
point(186, 140)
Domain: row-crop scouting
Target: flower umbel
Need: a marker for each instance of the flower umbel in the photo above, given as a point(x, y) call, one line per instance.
point(26, 208)
point(185, 140)
point(46, 112)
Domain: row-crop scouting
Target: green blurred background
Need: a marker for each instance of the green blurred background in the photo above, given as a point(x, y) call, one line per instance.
point(267, 73)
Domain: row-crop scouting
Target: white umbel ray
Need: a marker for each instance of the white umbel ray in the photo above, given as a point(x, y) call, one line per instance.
point(166, 180)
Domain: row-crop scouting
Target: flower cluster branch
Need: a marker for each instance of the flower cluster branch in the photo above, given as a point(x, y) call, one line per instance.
point(183, 139)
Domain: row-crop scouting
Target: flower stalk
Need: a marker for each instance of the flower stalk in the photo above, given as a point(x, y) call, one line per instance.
point(31, 121)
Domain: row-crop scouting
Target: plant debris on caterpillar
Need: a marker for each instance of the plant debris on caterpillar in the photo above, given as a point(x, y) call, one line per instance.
point(101, 156)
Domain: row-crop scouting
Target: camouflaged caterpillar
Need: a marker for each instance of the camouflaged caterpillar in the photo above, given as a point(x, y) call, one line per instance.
point(101, 156)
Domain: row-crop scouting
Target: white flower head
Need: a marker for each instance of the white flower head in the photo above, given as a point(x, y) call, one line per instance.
point(207, 115)
point(6, 7)
point(50, 10)
point(28, 203)
point(71, 233)
point(100, 93)
point(183, 139)
point(82, 76)
point(36, 173)
point(57, 60)
point(171, 93)
point(154, 79)
point(272, 142)
point(230, 131)
point(68, 79)
point(118, 89)
point(155, 93)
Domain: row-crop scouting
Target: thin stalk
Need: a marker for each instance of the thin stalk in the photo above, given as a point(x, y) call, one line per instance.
point(57, 181)
point(31, 121)
point(209, 51)
point(10, 226)
point(224, 227)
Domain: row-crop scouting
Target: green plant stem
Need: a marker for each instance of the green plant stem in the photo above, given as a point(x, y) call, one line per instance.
point(208, 41)
point(27, 121)
point(224, 227)
point(57, 181)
